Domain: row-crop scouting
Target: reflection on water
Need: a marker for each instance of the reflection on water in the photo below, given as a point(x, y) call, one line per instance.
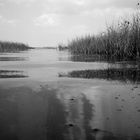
point(12, 74)
point(30, 115)
point(12, 59)
point(41, 115)
point(47, 114)
point(67, 108)
point(79, 114)
point(87, 58)
point(88, 115)
point(80, 58)
point(121, 74)
point(55, 119)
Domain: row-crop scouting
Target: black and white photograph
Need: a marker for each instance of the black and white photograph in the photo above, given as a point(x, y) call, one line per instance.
point(69, 69)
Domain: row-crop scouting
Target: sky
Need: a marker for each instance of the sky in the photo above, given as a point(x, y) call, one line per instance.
point(42, 23)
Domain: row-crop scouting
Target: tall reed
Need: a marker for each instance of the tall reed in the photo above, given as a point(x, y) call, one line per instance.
point(121, 42)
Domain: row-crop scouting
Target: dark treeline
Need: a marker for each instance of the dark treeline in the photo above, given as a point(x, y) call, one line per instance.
point(6, 46)
point(62, 47)
point(118, 42)
point(121, 74)
point(48, 48)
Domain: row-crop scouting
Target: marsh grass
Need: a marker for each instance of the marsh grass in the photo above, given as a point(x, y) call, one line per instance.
point(6, 46)
point(118, 42)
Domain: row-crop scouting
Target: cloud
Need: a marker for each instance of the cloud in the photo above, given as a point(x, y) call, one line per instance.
point(124, 3)
point(63, 19)
point(78, 16)
point(113, 12)
point(80, 2)
point(1, 4)
point(103, 4)
point(83, 3)
point(80, 29)
point(21, 1)
point(7, 21)
point(47, 20)
point(78, 7)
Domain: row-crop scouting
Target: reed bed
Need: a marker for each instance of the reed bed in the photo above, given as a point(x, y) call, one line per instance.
point(6, 46)
point(118, 42)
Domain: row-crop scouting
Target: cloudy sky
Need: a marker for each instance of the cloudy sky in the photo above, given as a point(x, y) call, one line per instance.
point(49, 22)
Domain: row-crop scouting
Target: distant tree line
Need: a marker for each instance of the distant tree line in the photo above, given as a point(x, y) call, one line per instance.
point(6, 46)
point(62, 47)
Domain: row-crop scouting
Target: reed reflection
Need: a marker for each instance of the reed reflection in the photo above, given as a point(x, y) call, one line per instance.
point(56, 118)
point(12, 74)
point(120, 74)
point(13, 59)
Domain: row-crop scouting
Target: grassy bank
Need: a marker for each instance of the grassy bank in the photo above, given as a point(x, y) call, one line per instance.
point(12, 46)
point(118, 42)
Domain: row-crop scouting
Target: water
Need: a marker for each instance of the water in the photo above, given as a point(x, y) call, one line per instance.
point(50, 95)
